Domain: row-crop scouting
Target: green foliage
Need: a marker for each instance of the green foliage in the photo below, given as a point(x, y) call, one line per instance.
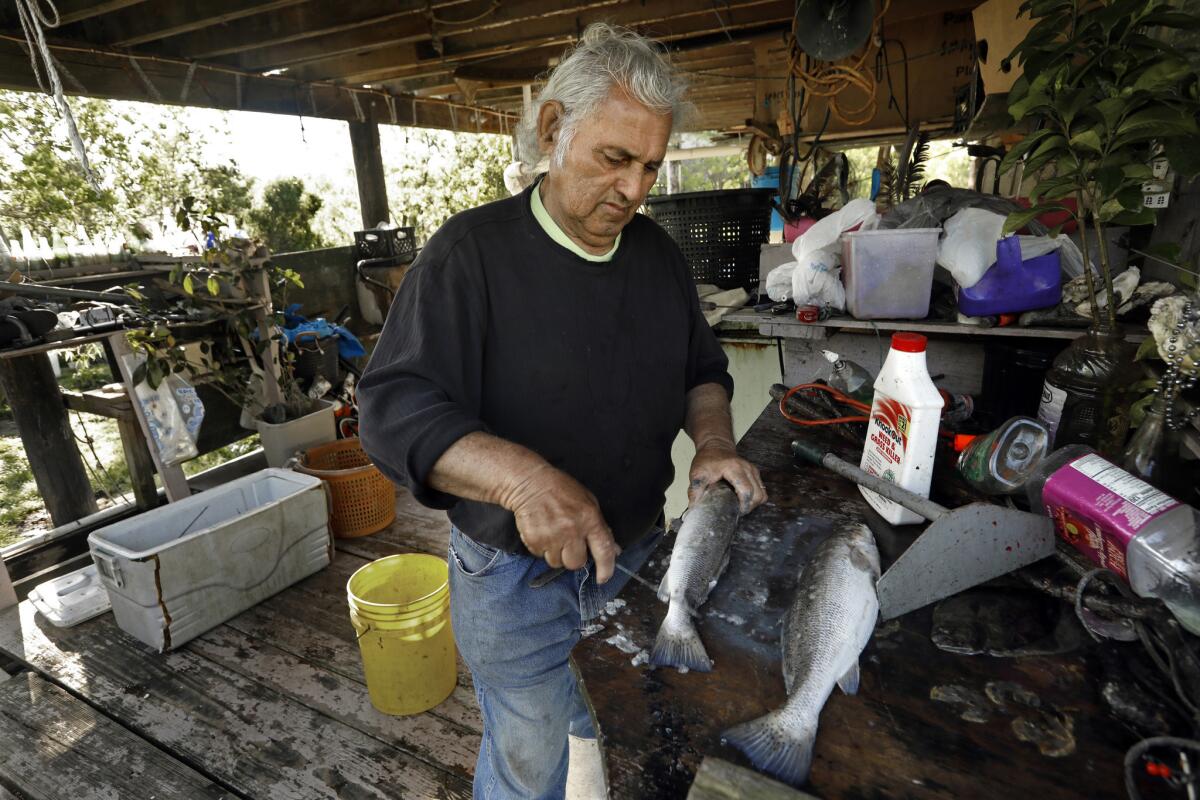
point(142, 169)
point(284, 219)
point(1105, 98)
point(224, 288)
point(436, 174)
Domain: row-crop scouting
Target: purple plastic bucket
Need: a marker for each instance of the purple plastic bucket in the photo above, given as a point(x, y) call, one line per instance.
point(1012, 285)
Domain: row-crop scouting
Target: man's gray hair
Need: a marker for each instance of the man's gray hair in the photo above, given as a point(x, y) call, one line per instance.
point(607, 57)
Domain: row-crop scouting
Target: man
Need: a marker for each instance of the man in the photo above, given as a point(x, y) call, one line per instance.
point(538, 361)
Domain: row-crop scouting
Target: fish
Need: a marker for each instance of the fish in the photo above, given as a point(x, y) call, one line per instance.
point(830, 621)
point(700, 555)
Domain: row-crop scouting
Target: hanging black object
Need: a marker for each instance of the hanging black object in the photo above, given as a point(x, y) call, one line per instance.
point(831, 29)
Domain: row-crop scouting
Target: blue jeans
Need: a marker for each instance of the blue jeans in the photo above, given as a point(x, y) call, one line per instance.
point(515, 640)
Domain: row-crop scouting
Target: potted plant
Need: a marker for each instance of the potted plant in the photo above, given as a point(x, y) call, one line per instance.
point(233, 291)
point(1106, 94)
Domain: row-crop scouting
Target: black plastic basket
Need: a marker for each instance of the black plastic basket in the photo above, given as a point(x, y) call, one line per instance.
point(720, 233)
point(386, 243)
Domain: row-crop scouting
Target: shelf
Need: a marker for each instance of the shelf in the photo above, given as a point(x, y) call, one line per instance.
point(788, 327)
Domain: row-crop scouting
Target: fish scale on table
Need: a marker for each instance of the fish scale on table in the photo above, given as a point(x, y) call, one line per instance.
point(827, 626)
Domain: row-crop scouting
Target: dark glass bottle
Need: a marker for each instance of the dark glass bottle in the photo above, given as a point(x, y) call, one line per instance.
point(1086, 395)
point(1153, 454)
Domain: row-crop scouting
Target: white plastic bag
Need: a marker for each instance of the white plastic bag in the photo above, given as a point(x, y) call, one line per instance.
point(779, 282)
point(173, 413)
point(824, 234)
point(968, 247)
point(818, 280)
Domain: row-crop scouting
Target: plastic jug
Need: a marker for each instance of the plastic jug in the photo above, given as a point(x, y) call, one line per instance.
point(1011, 285)
point(903, 429)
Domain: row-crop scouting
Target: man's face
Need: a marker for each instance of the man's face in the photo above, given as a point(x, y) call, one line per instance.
point(609, 167)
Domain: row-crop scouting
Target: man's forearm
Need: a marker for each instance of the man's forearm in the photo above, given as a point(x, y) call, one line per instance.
point(483, 467)
point(708, 421)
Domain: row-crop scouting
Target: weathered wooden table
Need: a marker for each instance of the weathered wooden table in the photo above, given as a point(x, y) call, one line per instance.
point(891, 739)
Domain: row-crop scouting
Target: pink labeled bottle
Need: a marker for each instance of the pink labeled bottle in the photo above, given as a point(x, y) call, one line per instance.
point(902, 433)
point(1125, 525)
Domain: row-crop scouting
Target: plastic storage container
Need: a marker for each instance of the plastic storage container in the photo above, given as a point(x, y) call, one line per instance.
point(889, 273)
point(1012, 285)
point(176, 571)
point(903, 429)
point(281, 442)
point(720, 233)
point(1125, 525)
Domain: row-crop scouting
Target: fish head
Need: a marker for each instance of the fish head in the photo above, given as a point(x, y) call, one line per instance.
point(863, 553)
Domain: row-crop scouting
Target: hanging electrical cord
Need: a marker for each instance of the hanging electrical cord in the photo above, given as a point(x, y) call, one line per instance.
point(831, 80)
point(32, 22)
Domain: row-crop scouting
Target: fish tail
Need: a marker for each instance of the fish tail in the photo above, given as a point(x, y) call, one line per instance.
point(678, 644)
point(774, 746)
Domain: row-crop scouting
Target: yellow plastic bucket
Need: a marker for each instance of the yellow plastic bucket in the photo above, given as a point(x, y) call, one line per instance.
point(400, 608)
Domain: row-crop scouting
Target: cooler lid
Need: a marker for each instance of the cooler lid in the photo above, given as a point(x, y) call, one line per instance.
point(72, 598)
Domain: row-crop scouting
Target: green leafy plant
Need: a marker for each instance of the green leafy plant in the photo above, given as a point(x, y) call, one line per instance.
point(1106, 95)
point(222, 292)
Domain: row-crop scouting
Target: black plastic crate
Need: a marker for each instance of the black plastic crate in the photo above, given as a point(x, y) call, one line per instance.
point(386, 243)
point(720, 233)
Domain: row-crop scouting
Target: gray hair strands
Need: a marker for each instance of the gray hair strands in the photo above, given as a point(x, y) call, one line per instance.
point(607, 57)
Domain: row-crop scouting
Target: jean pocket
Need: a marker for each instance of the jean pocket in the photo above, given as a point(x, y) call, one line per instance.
point(473, 559)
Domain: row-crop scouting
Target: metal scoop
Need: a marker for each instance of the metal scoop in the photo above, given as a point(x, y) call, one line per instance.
point(963, 547)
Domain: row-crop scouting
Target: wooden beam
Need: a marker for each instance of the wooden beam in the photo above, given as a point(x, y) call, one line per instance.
point(413, 28)
point(32, 391)
point(107, 74)
point(296, 24)
point(368, 169)
point(79, 10)
point(170, 18)
point(666, 20)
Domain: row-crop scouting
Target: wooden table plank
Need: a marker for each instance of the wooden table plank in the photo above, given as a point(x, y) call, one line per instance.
point(56, 746)
point(430, 738)
point(421, 532)
point(890, 740)
point(331, 646)
point(248, 735)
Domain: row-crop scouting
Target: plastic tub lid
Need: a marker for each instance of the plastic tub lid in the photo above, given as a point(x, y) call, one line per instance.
point(72, 598)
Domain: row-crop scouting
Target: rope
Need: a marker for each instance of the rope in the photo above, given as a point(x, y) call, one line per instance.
point(32, 22)
point(829, 80)
point(838, 396)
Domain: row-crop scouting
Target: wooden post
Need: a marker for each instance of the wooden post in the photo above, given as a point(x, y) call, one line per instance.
point(41, 418)
point(368, 168)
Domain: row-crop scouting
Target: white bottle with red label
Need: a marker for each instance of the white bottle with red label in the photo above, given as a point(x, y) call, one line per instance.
point(902, 433)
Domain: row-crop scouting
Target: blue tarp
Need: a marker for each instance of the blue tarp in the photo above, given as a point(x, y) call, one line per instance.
point(295, 325)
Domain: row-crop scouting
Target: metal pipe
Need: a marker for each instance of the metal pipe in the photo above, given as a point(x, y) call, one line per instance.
point(59, 293)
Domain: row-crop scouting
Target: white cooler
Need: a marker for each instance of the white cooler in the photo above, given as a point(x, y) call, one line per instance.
point(176, 571)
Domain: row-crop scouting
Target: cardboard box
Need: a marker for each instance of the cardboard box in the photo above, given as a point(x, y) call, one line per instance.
point(998, 30)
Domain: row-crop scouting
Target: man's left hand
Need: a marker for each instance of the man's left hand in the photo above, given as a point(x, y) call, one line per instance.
point(714, 462)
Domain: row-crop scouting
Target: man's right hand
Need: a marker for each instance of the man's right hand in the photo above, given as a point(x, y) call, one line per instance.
point(560, 520)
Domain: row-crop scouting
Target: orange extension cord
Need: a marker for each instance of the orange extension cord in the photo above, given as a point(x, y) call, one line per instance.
point(841, 398)
point(844, 399)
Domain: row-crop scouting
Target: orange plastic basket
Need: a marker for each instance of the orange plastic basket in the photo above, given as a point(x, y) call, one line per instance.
point(363, 500)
